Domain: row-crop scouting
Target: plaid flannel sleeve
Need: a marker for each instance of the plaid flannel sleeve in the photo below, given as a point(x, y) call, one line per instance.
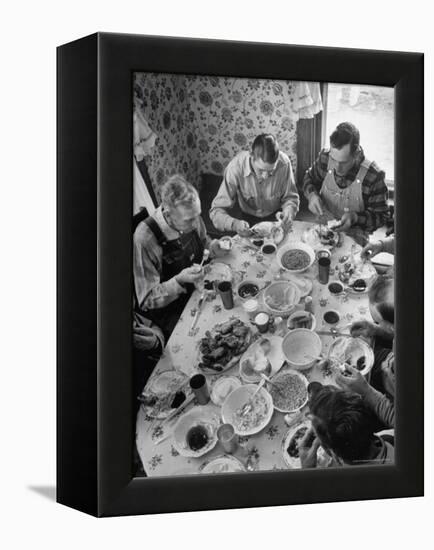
point(375, 194)
point(315, 175)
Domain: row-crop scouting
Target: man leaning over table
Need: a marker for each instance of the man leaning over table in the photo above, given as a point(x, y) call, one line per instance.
point(343, 184)
point(256, 185)
point(168, 248)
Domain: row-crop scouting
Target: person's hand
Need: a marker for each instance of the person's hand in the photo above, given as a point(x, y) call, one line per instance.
point(315, 204)
point(191, 274)
point(347, 220)
point(242, 228)
point(363, 328)
point(307, 449)
point(144, 338)
point(355, 383)
point(286, 218)
point(371, 250)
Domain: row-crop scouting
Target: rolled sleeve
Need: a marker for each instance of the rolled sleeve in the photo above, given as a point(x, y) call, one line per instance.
point(290, 198)
point(147, 256)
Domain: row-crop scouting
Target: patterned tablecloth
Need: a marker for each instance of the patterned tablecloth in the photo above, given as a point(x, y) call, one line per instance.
point(264, 449)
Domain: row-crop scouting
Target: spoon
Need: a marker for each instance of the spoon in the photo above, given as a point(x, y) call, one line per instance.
point(204, 257)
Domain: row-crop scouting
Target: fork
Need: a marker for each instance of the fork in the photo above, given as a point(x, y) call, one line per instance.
point(247, 407)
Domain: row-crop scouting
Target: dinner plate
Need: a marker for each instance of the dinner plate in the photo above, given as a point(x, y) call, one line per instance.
point(218, 271)
point(196, 417)
point(222, 387)
point(293, 461)
point(222, 464)
point(275, 357)
point(323, 459)
point(343, 348)
point(166, 382)
point(160, 392)
point(312, 237)
point(268, 230)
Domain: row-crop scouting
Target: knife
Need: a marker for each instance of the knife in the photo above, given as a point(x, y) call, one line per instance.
point(198, 312)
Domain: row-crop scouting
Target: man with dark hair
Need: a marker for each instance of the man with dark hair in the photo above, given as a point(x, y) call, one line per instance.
point(256, 185)
point(345, 427)
point(343, 184)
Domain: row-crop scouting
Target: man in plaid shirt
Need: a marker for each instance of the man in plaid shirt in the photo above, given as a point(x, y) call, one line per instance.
point(342, 184)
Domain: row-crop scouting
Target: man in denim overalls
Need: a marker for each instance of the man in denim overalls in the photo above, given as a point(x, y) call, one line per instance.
point(342, 184)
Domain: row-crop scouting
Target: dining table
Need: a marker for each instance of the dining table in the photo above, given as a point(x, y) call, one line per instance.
point(264, 450)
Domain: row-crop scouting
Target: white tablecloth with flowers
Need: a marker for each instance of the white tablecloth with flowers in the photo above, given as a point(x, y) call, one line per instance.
point(263, 450)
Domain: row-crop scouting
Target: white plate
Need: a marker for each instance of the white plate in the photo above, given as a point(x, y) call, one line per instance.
point(166, 382)
point(162, 389)
point(223, 464)
point(240, 397)
point(343, 348)
point(222, 387)
point(292, 461)
point(323, 459)
point(275, 356)
point(268, 230)
point(218, 271)
point(198, 416)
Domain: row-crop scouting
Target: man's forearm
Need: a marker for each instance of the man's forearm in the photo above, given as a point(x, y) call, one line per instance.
point(221, 219)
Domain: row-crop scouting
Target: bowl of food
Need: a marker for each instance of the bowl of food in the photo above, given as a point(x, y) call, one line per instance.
point(281, 297)
point(288, 391)
point(296, 257)
point(253, 418)
point(195, 433)
point(248, 289)
point(301, 347)
point(262, 357)
point(351, 351)
point(301, 319)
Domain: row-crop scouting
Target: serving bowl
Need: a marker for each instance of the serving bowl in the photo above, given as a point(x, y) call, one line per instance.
point(301, 347)
point(281, 297)
point(282, 256)
point(259, 416)
point(289, 391)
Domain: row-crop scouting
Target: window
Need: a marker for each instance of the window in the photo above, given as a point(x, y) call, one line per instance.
point(371, 109)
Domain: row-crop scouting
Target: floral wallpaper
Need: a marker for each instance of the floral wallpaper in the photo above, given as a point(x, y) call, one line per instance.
point(202, 122)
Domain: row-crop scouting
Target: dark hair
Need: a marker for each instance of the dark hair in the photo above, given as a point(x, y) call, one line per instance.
point(266, 147)
point(378, 295)
point(345, 133)
point(344, 424)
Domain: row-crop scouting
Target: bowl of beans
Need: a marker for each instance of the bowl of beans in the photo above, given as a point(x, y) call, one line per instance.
point(296, 257)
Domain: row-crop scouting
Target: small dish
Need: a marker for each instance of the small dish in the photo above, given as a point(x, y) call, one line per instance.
point(301, 319)
point(195, 433)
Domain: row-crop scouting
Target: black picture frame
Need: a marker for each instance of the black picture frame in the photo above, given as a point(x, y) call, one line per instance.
point(95, 430)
